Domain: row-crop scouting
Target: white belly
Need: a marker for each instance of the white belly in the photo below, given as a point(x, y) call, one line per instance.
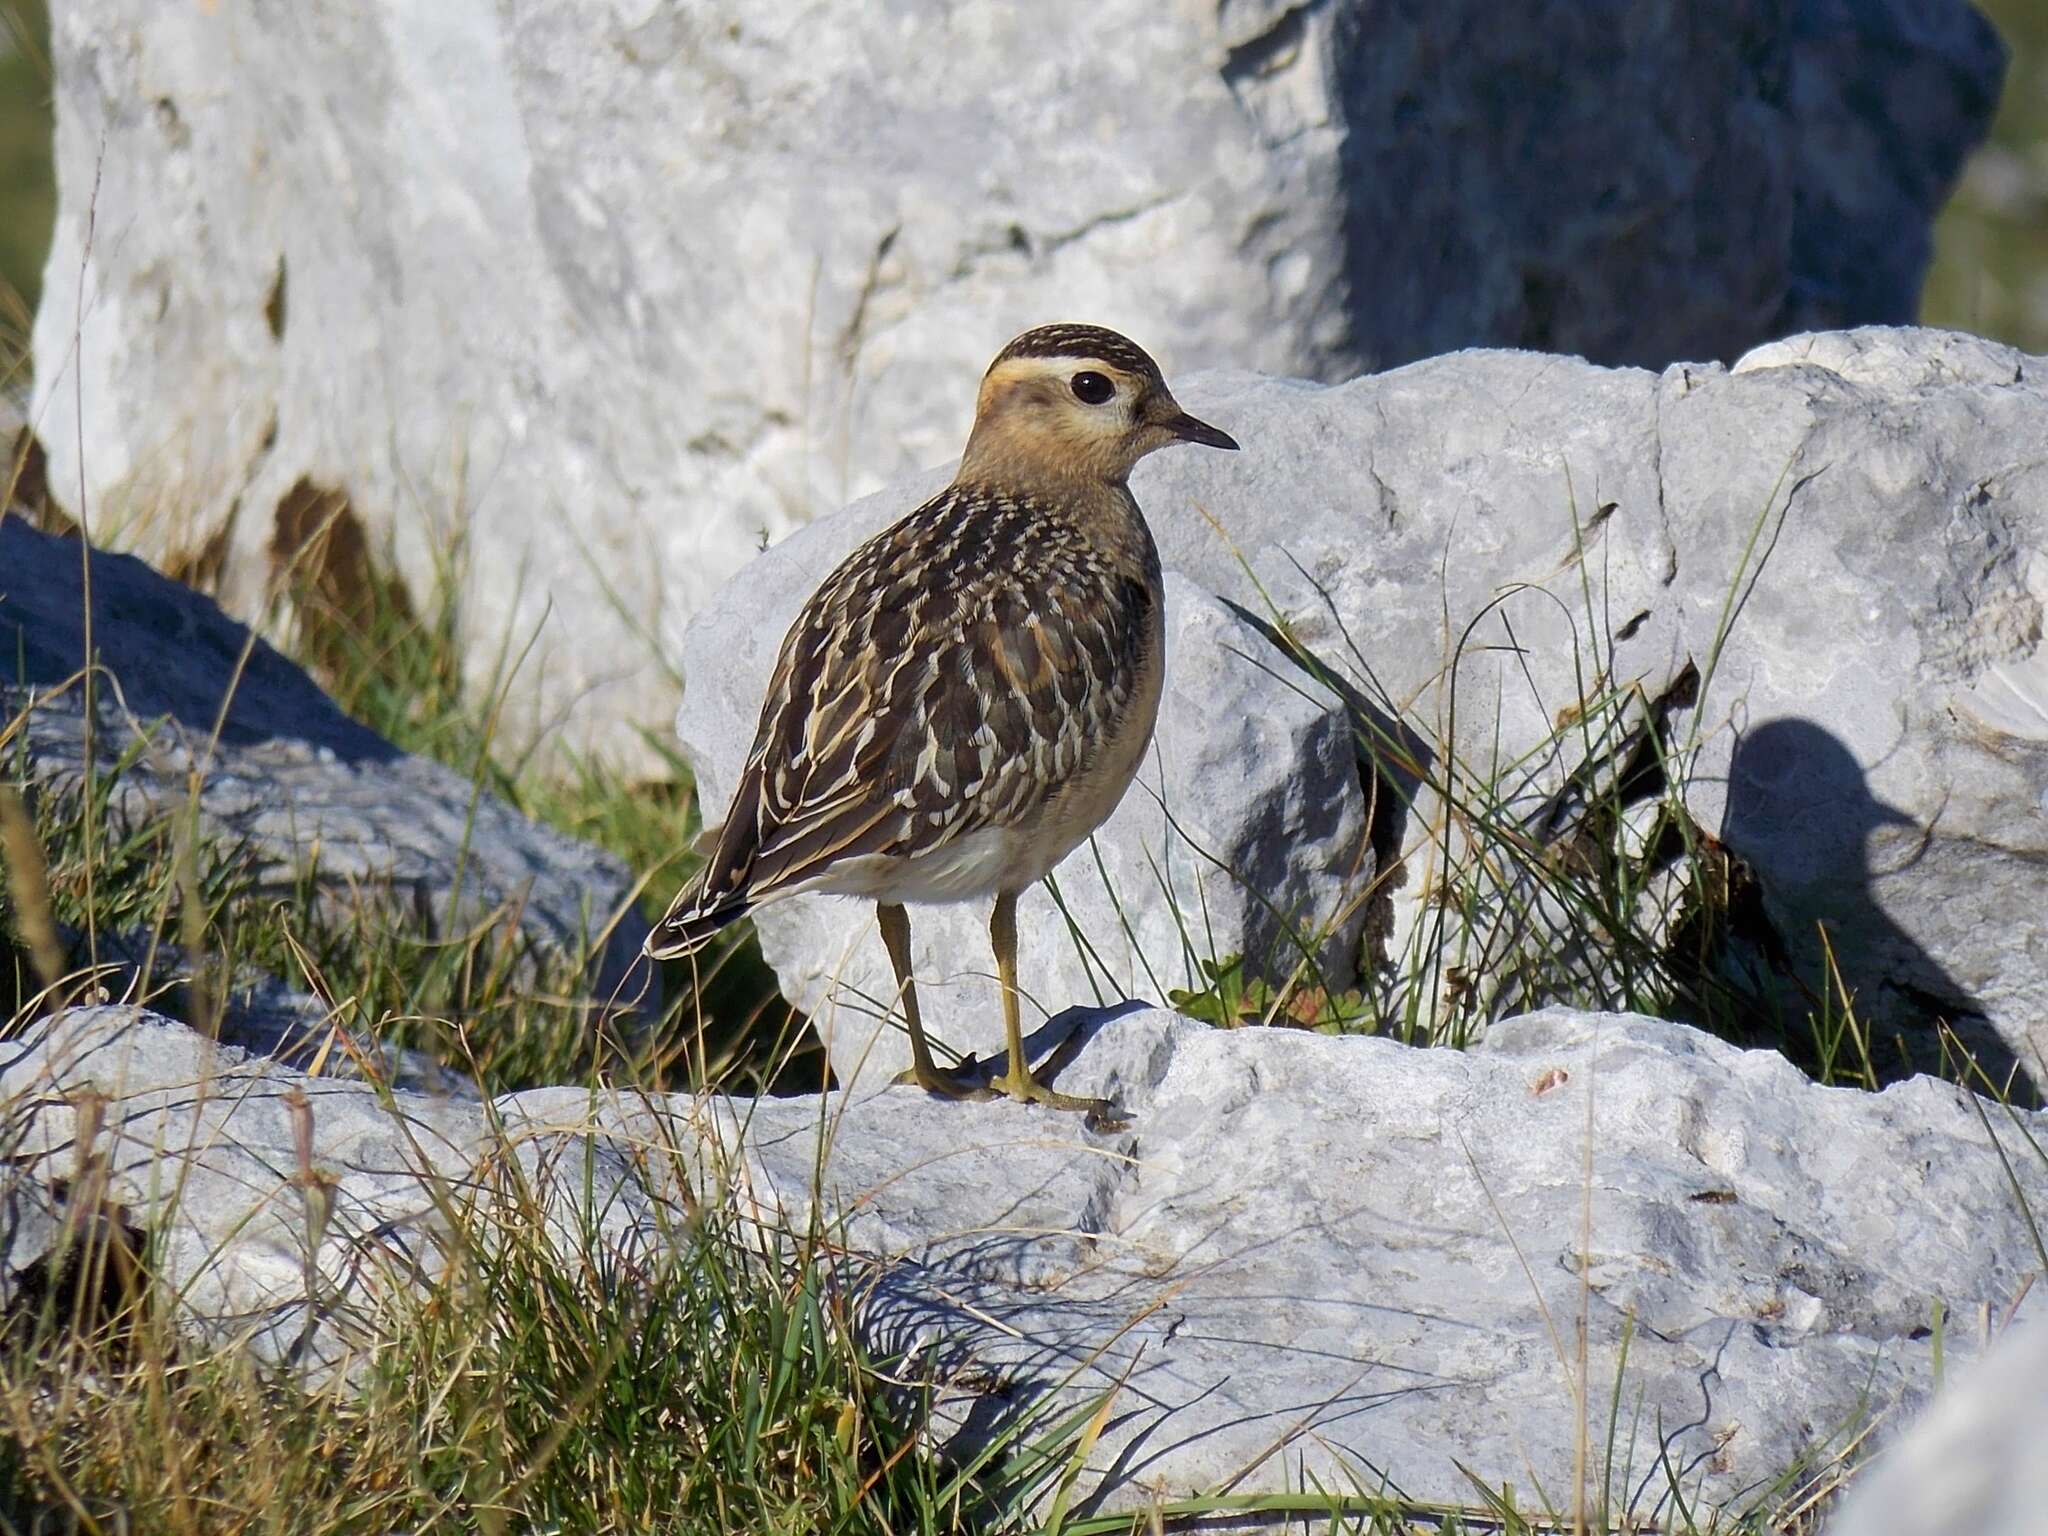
point(977, 864)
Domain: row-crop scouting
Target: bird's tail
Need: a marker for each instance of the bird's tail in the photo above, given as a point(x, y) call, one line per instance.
point(693, 919)
point(720, 894)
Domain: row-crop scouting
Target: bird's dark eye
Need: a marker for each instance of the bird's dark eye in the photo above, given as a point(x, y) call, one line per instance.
point(1091, 388)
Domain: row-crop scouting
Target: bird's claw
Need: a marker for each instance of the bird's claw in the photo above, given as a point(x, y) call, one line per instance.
point(961, 1082)
point(1024, 1087)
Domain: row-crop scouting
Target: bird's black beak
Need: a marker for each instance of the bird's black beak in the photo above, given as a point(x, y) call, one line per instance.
point(1191, 430)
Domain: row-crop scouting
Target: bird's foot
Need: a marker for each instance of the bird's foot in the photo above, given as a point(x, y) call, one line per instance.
point(1022, 1086)
point(962, 1082)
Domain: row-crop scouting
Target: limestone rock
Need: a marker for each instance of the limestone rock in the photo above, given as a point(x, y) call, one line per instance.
point(1244, 835)
point(1874, 737)
point(1811, 587)
point(297, 789)
point(116, 1099)
point(619, 294)
point(1365, 1256)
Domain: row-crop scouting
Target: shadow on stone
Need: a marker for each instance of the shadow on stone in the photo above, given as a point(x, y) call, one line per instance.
point(1066, 1033)
point(293, 788)
point(1802, 813)
point(172, 651)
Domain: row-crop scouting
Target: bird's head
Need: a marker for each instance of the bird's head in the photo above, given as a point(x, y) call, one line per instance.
point(1074, 402)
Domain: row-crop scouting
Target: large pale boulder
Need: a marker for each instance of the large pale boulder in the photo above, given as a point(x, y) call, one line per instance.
point(1808, 590)
point(1305, 1257)
point(1874, 735)
point(1811, 587)
point(602, 298)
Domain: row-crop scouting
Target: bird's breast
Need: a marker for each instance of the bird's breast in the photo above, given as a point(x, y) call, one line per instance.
point(1119, 733)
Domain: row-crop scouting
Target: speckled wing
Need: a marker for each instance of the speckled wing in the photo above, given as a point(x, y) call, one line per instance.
point(950, 677)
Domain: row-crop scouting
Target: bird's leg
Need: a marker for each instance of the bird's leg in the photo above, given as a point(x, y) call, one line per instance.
point(895, 925)
point(1017, 1080)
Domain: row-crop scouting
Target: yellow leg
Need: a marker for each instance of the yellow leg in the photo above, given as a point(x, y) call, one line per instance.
point(895, 925)
point(1017, 1080)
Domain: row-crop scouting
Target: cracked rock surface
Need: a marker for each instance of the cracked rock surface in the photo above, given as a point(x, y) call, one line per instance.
point(293, 789)
point(1811, 583)
point(1368, 1254)
point(626, 291)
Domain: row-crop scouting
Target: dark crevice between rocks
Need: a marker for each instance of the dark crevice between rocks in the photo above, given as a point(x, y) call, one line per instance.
point(320, 563)
point(1271, 50)
point(1542, 296)
point(73, 1260)
point(1612, 782)
point(274, 306)
point(201, 568)
point(1722, 909)
point(26, 485)
point(1394, 762)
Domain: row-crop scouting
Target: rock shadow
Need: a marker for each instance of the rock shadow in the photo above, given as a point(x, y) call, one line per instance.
point(1801, 813)
point(1395, 764)
point(171, 651)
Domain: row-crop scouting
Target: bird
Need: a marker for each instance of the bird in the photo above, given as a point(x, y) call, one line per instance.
point(967, 696)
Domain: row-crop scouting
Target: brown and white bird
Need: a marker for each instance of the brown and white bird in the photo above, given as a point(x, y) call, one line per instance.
point(969, 694)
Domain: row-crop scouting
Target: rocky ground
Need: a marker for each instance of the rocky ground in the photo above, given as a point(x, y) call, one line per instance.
point(1303, 1259)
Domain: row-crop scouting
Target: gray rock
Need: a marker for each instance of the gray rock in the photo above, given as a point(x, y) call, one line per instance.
point(257, 1013)
point(295, 789)
point(198, 1146)
point(1244, 835)
point(1306, 1256)
point(1870, 734)
point(1973, 1462)
point(1478, 552)
point(621, 295)
point(1874, 739)
point(1364, 1249)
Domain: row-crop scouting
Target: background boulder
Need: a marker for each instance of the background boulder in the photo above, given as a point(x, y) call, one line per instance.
point(607, 301)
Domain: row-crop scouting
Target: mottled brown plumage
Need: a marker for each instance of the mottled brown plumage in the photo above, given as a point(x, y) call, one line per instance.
point(967, 696)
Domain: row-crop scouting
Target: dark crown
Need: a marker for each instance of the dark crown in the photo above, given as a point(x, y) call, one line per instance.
point(1081, 341)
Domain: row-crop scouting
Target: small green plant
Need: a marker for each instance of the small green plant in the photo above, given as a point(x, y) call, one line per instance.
point(1232, 999)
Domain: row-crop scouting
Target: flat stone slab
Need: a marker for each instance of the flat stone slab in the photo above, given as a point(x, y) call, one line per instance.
point(1334, 1257)
point(293, 785)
